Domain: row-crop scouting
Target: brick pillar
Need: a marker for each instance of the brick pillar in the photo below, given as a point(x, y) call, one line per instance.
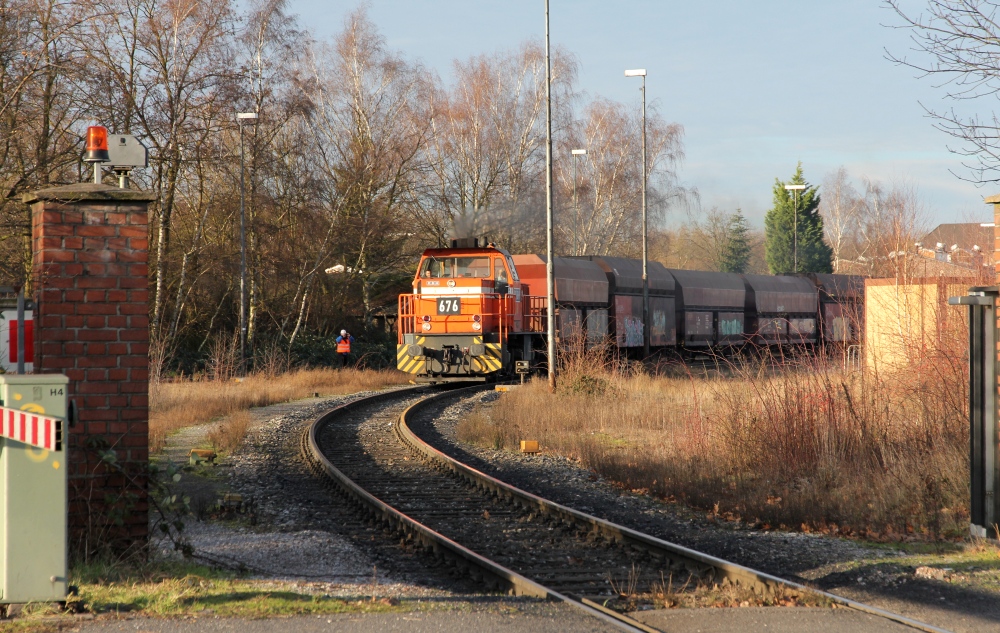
point(90, 248)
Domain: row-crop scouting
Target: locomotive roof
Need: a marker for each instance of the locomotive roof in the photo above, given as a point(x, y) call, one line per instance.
point(625, 275)
point(460, 252)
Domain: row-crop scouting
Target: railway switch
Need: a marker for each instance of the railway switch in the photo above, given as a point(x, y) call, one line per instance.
point(33, 476)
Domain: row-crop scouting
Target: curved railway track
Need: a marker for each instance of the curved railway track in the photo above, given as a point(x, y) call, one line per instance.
point(504, 537)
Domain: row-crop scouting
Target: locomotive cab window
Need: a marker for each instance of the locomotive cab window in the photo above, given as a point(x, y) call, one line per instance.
point(501, 278)
point(453, 267)
point(513, 268)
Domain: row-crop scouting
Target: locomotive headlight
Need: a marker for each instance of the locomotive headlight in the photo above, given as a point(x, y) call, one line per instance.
point(477, 326)
point(426, 327)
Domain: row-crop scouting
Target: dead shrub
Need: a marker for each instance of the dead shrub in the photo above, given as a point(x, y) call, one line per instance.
point(477, 428)
point(800, 444)
point(228, 434)
point(175, 405)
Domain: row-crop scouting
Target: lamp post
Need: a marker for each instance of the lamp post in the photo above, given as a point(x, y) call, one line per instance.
point(576, 201)
point(243, 118)
point(641, 72)
point(550, 278)
point(795, 189)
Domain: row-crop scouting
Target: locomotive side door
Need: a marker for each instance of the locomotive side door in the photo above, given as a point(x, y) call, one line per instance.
point(506, 285)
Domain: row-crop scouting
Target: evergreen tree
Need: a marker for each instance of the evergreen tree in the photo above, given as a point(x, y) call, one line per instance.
point(814, 254)
point(735, 255)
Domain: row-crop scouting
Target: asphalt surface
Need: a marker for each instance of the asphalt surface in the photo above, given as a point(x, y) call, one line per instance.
point(536, 618)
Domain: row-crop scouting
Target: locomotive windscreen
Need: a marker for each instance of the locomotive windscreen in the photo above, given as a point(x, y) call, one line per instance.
point(451, 267)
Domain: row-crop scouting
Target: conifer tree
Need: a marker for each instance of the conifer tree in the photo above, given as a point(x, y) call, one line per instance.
point(814, 254)
point(735, 256)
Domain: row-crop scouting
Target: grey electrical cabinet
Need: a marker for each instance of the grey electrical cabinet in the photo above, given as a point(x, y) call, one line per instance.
point(33, 477)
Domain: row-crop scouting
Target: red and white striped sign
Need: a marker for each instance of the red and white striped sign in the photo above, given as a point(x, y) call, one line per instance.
point(31, 428)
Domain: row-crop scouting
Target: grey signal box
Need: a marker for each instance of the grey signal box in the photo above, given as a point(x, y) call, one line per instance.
point(33, 482)
point(126, 152)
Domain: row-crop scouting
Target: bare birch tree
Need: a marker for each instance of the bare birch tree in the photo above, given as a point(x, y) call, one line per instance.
point(607, 217)
point(487, 150)
point(369, 108)
point(840, 207)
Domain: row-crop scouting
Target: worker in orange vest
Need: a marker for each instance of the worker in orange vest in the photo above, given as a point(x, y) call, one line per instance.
point(344, 346)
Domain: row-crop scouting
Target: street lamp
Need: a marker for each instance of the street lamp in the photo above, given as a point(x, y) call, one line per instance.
point(243, 118)
point(576, 201)
point(550, 274)
point(795, 189)
point(641, 72)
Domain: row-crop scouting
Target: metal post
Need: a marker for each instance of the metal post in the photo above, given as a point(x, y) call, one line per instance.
point(984, 440)
point(576, 154)
point(795, 238)
point(97, 173)
point(20, 330)
point(550, 255)
point(645, 250)
point(576, 207)
point(243, 259)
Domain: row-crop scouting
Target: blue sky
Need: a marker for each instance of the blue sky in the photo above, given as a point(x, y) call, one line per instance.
point(758, 86)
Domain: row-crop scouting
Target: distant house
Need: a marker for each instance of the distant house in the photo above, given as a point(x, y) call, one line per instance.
point(957, 250)
point(907, 316)
point(965, 236)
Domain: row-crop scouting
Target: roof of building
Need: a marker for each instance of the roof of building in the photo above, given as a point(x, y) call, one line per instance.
point(912, 265)
point(965, 235)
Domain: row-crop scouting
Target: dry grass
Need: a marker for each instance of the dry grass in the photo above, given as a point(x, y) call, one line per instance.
point(175, 405)
point(809, 447)
point(229, 432)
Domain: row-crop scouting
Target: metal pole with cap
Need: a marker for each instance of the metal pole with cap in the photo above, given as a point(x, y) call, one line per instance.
point(550, 277)
point(641, 72)
point(576, 200)
point(241, 118)
point(795, 189)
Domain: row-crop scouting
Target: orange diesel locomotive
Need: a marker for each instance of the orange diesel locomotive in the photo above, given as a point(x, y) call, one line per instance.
point(468, 317)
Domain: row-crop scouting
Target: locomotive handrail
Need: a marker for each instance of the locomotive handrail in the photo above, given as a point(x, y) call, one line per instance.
point(504, 314)
point(406, 318)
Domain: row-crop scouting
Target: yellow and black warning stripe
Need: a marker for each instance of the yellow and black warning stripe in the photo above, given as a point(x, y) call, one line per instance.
point(494, 356)
point(407, 363)
point(491, 361)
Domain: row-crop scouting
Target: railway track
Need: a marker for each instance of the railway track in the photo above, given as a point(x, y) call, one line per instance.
point(506, 538)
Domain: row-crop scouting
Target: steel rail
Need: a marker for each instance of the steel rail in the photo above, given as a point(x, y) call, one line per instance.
point(495, 575)
point(698, 561)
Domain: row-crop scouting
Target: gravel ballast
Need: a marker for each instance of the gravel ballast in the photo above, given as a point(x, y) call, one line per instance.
point(301, 533)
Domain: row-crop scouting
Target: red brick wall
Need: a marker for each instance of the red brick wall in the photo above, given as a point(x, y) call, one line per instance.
point(91, 323)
